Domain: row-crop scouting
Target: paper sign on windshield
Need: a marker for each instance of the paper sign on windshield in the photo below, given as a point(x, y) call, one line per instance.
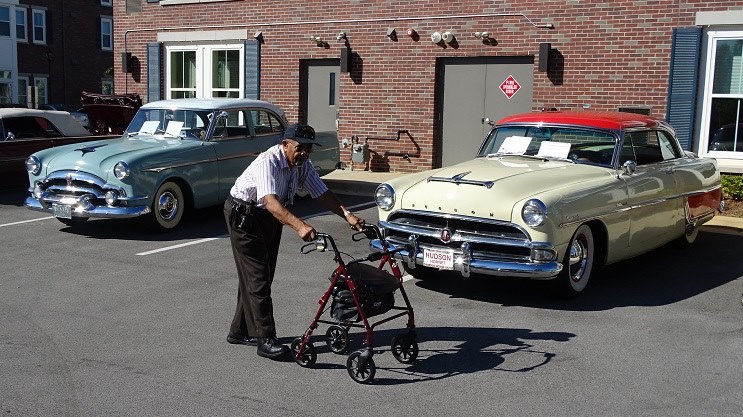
point(174, 128)
point(554, 149)
point(149, 127)
point(516, 145)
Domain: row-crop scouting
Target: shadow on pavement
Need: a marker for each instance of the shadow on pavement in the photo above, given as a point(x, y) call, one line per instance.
point(663, 276)
point(457, 351)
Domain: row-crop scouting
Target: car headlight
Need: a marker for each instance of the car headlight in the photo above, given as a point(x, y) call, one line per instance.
point(385, 197)
point(121, 170)
point(111, 197)
point(33, 165)
point(534, 212)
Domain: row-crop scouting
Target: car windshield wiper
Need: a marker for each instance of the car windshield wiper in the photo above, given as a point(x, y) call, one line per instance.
point(540, 158)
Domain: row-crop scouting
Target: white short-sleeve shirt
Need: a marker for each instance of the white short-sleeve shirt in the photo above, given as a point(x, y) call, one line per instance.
point(270, 173)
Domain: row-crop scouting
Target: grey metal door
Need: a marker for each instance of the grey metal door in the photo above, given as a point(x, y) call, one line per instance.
point(323, 93)
point(473, 96)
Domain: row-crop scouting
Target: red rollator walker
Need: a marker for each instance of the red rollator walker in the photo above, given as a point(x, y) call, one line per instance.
point(359, 291)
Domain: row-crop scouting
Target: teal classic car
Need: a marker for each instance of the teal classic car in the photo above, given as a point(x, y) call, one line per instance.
point(175, 156)
point(552, 196)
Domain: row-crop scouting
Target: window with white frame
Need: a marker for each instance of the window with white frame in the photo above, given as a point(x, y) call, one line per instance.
point(204, 71)
point(107, 25)
point(20, 25)
point(23, 90)
point(4, 21)
point(108, 3)
point(41, 84)
point(39, 26)
point(723, 104)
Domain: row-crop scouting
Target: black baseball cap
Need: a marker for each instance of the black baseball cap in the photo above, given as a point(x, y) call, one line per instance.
point(301, 134)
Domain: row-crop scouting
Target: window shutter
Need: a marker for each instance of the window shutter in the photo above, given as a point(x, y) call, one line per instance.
point(252, 69)
point(49, 27)
point(153, 72)
point(682, 83)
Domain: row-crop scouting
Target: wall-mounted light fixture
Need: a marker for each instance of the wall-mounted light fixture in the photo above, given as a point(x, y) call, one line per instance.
point(341, 36)
point(317, 40)
point(482, 35)
point(447, 37)
point(392, 34)
point(258, 35)
point(436, 37)
point(413, 34)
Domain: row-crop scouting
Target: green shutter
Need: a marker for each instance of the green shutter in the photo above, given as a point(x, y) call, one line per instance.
point(252, 69)
point(154, 79)
point(682, 83)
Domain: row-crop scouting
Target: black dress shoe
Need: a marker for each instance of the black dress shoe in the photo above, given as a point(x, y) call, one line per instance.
point(250, 341)
point(270, 347)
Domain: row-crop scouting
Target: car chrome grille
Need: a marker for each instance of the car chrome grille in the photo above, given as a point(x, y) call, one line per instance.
point(487, 239)
point(63, 186)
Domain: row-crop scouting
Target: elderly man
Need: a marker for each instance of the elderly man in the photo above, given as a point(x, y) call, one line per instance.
point(255, 213)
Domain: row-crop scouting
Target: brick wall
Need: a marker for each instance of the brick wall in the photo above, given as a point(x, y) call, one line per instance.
point(606, 54)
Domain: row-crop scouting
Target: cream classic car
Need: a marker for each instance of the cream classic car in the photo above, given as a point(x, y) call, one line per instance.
point(553, 196)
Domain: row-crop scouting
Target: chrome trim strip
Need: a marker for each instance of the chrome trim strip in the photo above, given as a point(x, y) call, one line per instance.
point(466, 265)
point(203, 161)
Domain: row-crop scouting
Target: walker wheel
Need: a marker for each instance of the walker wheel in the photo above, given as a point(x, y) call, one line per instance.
point(308, 357)
point(337, 339)
point(404, 348)
point(360, 370)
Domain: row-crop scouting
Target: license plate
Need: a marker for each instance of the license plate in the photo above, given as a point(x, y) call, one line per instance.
point(438, 258)
point(62, 212)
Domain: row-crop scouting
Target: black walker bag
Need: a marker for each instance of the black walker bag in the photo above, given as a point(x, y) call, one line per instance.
point(376, 292)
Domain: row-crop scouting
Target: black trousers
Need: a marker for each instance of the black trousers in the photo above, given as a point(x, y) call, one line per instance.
point(255, 236)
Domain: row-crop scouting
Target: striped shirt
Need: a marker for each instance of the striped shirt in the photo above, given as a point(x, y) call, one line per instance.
point(270, 173)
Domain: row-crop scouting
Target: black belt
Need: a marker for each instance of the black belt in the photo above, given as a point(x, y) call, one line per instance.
point(241, 206)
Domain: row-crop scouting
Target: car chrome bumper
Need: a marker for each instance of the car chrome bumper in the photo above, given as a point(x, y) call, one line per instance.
point(80, 210)
point(466, 265)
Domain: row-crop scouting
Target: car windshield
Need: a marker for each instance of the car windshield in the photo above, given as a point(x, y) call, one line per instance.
point(185, 124)
point(544, 142)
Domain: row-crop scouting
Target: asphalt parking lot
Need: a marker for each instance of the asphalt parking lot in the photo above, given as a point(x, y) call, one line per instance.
point(111, 319)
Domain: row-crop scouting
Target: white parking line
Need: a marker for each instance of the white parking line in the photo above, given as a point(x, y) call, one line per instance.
point(26, 221)
point(195, 242)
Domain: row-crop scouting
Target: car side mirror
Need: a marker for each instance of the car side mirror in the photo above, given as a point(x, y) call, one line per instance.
point(629, 167)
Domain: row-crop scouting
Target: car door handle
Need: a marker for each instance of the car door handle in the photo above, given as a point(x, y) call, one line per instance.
point(670, 170)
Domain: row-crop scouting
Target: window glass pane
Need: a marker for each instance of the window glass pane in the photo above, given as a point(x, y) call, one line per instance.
point(183, 69)
point(39, 26)
point(728, 67)
point(331, 93)
point(226, 69)
point(726, 125)
point(4, 21)
point(40, 84)
point(22, 89)
point(20, 24)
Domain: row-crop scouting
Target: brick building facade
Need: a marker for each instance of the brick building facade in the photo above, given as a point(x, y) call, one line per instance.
point(62, 52)
point(628, 55)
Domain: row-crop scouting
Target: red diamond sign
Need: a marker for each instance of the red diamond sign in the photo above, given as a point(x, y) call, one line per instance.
point(510, 86)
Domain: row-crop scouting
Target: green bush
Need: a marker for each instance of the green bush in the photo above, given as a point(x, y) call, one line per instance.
point(732, 186)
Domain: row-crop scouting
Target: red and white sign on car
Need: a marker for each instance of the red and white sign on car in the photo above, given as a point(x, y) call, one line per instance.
point(510, 86)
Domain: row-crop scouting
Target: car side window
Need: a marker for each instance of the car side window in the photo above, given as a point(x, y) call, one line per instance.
point(668, 147)
point(645, 146)
point(31, 127)
point(265, 123)
point(231, 127)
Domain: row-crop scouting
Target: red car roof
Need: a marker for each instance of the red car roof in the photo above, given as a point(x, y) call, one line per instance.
point(602, 120)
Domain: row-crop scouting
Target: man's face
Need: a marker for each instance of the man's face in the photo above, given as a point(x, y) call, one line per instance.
point(296, 153)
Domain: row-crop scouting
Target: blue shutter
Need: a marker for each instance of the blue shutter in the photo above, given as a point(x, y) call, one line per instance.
point(153, 72)
point(682, 83)
point(252, 69)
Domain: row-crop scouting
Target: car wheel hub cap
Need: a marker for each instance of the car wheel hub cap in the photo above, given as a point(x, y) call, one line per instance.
point(577, 260)
point(167, 206)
